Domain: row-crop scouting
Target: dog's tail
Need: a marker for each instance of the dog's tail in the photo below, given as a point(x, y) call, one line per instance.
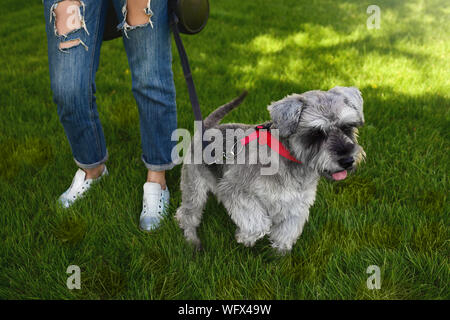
point(217, 115)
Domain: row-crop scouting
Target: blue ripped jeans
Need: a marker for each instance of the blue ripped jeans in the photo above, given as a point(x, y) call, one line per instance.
point(72, 77)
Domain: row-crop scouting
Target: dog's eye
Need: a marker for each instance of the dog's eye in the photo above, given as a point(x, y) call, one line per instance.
point(319, 134)
point(315, 137)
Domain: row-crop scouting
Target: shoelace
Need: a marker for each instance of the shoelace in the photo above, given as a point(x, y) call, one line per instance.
point(73, 192)
point(158, 206)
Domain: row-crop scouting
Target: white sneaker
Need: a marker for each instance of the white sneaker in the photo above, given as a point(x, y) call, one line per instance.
point(154, 205)
point(78, 187)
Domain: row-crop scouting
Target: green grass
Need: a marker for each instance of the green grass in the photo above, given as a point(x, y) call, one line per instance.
point(394, 212)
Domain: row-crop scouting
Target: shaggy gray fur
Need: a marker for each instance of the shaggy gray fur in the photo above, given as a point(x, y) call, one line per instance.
point(318, 128)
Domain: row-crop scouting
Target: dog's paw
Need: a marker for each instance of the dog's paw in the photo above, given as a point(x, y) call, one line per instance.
point(280, 249)
point(245, 241)
point(198, 247)
point(249, 239)
point(195, 244)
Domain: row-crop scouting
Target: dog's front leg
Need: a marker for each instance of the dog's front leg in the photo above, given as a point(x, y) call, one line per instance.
point(284, 234)
point(251, 219)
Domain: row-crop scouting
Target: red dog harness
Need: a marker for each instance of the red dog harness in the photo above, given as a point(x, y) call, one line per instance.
point(264, 137)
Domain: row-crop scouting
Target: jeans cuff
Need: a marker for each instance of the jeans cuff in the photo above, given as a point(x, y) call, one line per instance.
point(159, 167)
point(91, 165)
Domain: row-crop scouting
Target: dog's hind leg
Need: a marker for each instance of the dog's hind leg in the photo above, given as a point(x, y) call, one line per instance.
point(194, 194)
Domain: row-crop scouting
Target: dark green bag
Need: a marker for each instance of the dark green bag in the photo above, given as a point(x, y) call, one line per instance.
point(192, 14)
point(192, 17)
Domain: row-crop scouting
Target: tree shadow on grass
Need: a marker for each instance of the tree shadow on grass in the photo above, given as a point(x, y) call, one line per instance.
point(311, 43)
point(342, 16)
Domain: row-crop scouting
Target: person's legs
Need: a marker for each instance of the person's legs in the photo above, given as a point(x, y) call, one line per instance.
point(74, 35)
point(148, 45)
point(147, 41)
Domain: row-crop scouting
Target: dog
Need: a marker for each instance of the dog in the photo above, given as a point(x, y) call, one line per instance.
point(318, 128)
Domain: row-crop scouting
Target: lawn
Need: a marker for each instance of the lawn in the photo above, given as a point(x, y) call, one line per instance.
point(393, 212)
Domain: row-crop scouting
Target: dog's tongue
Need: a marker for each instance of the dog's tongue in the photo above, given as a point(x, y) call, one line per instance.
point(341, 175)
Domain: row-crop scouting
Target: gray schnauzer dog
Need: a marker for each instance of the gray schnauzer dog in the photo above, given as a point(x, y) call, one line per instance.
point(318, 128)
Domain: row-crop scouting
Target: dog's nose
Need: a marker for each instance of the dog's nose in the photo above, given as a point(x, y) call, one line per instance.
point(346, 162)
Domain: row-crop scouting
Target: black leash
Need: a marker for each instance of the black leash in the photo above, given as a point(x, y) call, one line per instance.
point(186, 69)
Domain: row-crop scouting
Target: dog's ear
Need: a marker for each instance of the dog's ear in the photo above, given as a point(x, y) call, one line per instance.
point(352, 98)
point(286, 113)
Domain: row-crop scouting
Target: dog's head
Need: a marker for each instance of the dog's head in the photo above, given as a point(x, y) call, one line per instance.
point(320, 128)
